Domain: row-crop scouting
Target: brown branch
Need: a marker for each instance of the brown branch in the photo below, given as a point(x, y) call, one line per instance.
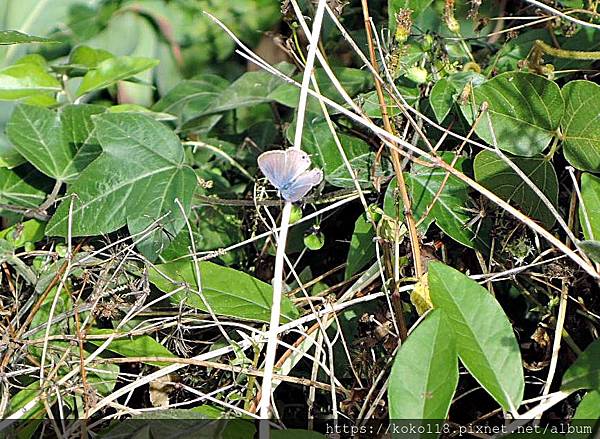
point(410, 221)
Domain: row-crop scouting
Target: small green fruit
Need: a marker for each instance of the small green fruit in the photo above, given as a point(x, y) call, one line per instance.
point(314, 241)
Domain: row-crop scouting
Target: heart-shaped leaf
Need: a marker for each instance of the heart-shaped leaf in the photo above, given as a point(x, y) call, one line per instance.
point(147, 174)
point(496, 175)
point(485, 339)
point(424, 376)
point(581, 125)
point(59, 145)
point(228, 292)
point(525, 111)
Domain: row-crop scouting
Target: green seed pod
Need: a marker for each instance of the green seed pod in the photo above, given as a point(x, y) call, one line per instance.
point(314, 241)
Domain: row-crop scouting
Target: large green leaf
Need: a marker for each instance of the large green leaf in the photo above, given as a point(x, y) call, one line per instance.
point(496, 175)
point(525, 111)
point(26, 79)
point(585, 372)
point(8, 37)
point(23, 186)
point(60, 146)
point(250, 89)
point(448, 211)
point(193, 97)
point(147, 174)
point(362, 246)
point(424, 376)
point(485, 339)
point(581, 125)
point(320, 144)
point(228, 292)
point(112, 70)
point(590, 194)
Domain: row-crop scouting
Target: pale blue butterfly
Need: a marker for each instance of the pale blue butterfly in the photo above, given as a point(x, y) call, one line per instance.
point(287, 170)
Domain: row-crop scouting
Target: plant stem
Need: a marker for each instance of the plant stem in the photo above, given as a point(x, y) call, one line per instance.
point(410, 221)
point(267, 384)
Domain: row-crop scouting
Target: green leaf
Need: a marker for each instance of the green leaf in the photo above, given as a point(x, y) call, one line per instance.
point(88, 57)
point(20, 234)
point(228, 292)
point(588, 412)
point(252, 88)
point(15, 37)
point(585, 372)
point(444, 92)
point(319, 143)
point(370, 103)
point(138, 346)
point(60, 146)
point(590, 209)
point(581, 125)
point(591, 248)
point(63, 304)
point(23, 397)
point(352, 80)
point(22, 187)
point(213, 227)
point(525, 111)
point(147, 174)
point(494, 174)
point(448, 211)
point(362, 246)
point(193, 97)
point(26, 79)
point(112, 70)
point(485, 339)
point(416, 6)
point(424, 376)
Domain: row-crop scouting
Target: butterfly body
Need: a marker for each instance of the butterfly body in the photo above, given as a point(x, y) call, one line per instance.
point(287, 170)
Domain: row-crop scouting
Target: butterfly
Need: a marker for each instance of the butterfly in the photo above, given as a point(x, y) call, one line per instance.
point(287, 170)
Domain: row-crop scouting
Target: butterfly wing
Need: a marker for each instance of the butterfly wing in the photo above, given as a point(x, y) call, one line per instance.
point(301, 185)
point(282, 167)
point(273, 165)
point(297, 162)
